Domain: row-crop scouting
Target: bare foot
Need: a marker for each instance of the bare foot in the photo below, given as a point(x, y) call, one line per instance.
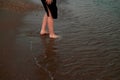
point(44, 33)
point(54, 36)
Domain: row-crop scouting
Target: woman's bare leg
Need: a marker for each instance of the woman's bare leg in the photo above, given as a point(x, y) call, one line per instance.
point(44, 24)
point(51, 26)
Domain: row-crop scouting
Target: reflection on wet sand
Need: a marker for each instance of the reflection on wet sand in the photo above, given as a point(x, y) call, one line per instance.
point(89, 49)
point(48, 62)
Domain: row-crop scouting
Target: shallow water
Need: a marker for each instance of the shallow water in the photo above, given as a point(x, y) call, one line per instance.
point(88, 49)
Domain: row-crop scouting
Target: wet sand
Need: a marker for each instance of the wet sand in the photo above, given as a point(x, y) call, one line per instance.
point(89, 47)
point(19, 6)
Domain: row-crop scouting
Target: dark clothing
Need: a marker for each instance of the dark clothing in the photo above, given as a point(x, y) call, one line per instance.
point(52, 7)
